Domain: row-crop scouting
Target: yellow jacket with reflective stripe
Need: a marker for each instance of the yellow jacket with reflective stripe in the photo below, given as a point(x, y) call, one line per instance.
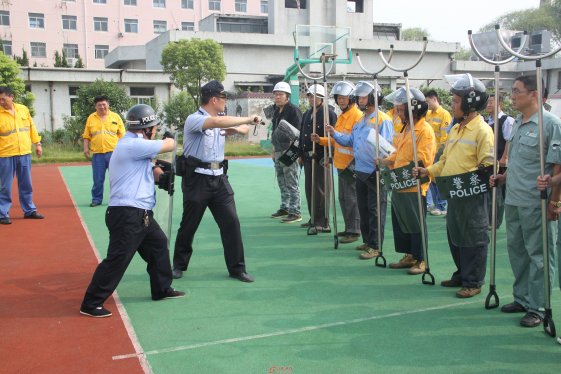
point(439, 120)
point(103, 135)
point(17, 132)
point(466, 149)
point(397, 124)
point(342, 156)
point(426, 150)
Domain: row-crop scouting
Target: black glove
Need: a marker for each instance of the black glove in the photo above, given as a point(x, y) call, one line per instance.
point(164, 165)
point(168, 134)
point(165, 182)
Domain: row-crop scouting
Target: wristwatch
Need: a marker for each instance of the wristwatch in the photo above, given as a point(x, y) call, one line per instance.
point(556, 204)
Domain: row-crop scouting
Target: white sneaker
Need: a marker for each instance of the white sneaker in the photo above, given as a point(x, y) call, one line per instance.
point(435, 212)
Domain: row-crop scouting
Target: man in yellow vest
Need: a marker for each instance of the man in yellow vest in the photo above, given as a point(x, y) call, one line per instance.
point(103, 129)
point(17, 132)
point(343, 159)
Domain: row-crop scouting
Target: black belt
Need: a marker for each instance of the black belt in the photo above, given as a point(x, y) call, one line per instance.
point(211, 165)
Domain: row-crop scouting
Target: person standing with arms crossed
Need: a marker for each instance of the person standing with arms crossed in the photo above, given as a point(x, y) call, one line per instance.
point(17, 133)
point(129, 217)
point(205, 183)
point(102, 131)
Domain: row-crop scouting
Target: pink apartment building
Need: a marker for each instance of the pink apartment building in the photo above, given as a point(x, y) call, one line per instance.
point(91, 28)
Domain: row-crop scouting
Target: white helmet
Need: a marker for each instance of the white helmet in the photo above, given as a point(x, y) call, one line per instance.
point(282, 87)
point(317, 89)
point(343, 88)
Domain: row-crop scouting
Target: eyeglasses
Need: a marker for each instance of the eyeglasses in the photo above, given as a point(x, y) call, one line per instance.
point(516, 91)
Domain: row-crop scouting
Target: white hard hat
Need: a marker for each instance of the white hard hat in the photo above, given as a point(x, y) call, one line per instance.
point(282, 87)
point(317, 89)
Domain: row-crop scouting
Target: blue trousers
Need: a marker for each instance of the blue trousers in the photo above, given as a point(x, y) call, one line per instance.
point(100, 163)
point(20, 166)
point(434, 199)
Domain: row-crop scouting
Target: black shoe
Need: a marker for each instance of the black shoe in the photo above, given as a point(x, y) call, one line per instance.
point(94, 204)
point(343, 234)
point(531, 320)
point(244, 277)
point(513, 307)
point(5, 221)
point(451, 283)
point(325, 230)
point(292, 218)
point(279, 214)
point(176, 274)
point(170, 293)
point(98, 312)
point(34, 215)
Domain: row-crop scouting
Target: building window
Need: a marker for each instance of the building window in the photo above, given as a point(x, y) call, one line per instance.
point(295, 4)
point(160, 26)
point(101, 51)
point(100, 1)
point(38, 49)
point(73, 94)
point(100, 24)
point(69, 22)
point(241, 6)
point(130, 2)
point(213, 4)
point(355, 6)
point(142, 95)
point(4, 18)
point(264, 7)
point(131, 25)
point(187, 4)
point(159, 3)
point(188, 26)
point(6, 47)
point(37, 20)
point(70, 50)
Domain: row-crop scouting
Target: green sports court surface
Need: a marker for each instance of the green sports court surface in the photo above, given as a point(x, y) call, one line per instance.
point(313, 309)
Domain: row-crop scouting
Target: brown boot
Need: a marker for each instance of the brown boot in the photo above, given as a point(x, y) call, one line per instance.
point(406, 262)
point(369, 253)
point(418, 268)
point(362, 247)
point(467, 292)
point(349, 238)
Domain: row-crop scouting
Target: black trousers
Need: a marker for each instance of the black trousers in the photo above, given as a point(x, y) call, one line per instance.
point(409, 243)
point(199, 192)
point(128, 234)
point(368, 210)
point(471, 264)
point(320, 218)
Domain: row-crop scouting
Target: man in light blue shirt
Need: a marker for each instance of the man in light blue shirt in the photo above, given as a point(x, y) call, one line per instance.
point(365, 166)
point(129, 217)
point(205, 183)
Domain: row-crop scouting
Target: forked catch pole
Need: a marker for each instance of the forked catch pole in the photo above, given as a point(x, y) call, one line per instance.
point(492, 300)
point(380, 260)
point(427, 272)
point(548, 324)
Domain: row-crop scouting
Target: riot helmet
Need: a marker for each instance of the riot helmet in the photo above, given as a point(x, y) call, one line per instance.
point(141, 116)
point(364, 88)
point(470, 89)
point(343, 88)
point(419, 105)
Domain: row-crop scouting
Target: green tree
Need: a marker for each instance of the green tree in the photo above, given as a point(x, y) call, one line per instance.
point(60, 60)
point(9, 76)
point(547, 17)
point(23, 60)
point(177, 109)
point(79, 64)
point(462, 55)
point(119, 102)
point(190, 62)
point(414, 34)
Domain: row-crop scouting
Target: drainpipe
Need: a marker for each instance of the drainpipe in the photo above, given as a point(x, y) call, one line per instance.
point(51, 106)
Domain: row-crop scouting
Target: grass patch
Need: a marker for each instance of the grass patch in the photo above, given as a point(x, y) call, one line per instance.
point(59, 153)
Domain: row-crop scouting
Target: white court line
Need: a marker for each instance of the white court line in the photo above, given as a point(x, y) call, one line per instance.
point(294, 331)
point(124, 315)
